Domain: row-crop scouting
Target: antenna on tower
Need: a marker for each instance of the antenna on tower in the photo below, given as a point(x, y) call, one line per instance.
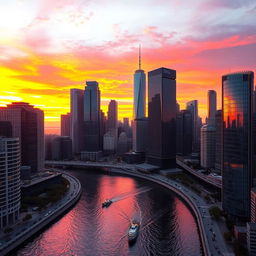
point(139, 58)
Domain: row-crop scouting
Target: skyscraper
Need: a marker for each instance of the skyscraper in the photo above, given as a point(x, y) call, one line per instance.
point(27, 125)
point(112, 115)
point(10, 181)
point(65, 125)
point(76, 119)
point(162, 118)
point(184, 133)
point(92, 117)
point(237, 94)
point(139, 109)
point(212, 102)
point(218, 141)
point(208, 134)
point(139, 89)
point(192, 106)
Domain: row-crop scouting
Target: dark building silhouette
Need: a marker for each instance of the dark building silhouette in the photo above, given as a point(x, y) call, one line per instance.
point(77, 119)
point(62, 148)
point(65, 125)
point(161, 118)
point(92, 141)
point(5, 129)
point(184, 133)
point(218, 141)
point(192, 106)
point(27, 125)
point(237, 104)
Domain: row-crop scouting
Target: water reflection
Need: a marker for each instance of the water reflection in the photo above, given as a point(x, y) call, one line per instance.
point(167, 226)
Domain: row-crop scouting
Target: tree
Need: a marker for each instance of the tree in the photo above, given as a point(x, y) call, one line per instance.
point(215, 212)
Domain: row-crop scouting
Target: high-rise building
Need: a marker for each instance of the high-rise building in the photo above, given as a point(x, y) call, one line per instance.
point(212, 104)
point(184, 133)
point(218, 141)
point(65, 125)
point(139, 89)
point(112, 120)
point(192, 106)
point(6, 129)
point(112, 115)
point(77, 120)
point(139, 110)
point(9, 181)
point(62, 148)
point(237, 94)
point(162, 118)
point(207, 149)
point(27, 125)
point(92, 117)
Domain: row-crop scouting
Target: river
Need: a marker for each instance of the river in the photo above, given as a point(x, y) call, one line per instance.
point(167, 226)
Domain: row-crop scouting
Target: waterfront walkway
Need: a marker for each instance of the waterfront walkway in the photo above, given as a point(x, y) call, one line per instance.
point(24, 230)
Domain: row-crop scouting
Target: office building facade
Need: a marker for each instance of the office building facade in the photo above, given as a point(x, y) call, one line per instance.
point(212, 106)
point(162, 118)
point(218, 141)
point(237, 94)
point(27, 125)
point(9, 181)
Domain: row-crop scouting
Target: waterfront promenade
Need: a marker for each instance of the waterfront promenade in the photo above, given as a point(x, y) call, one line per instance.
point(39, 220)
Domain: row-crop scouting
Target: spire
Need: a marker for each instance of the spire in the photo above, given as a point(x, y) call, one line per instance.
point(139, 58)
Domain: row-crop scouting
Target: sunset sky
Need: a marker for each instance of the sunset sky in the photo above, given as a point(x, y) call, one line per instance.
point(50, 46)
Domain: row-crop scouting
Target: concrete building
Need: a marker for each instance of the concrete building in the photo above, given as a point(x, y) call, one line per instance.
point(237, 178)
point(65, 125)
point(161, 150)
point(9, 181)
point(27, 125)
point(207, 149)
point(76, 119)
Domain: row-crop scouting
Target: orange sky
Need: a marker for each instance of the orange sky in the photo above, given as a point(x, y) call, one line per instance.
point(51, 47)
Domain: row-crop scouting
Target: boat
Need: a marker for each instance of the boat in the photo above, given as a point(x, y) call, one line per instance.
point(106, 203)
point(133, 232)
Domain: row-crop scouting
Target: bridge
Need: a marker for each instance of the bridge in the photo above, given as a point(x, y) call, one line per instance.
point(131, 167)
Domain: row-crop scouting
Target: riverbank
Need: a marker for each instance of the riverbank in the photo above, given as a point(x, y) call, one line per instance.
point(46, 217)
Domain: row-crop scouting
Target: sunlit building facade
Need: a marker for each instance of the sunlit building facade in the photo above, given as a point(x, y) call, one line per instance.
point(237, 104)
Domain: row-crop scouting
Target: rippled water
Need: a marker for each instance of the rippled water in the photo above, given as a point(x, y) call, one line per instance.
point(167, 225)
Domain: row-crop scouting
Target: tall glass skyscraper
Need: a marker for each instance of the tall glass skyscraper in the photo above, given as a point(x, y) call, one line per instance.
point(212, 102)
point(162, 118)
point(139, 110)
point(92, 117)
point(139, 98)
point(237, 94)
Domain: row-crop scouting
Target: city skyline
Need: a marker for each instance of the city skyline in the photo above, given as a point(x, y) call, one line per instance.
point(51, 47)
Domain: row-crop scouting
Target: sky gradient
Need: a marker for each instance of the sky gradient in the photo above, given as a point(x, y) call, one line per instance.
point(48, 47)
